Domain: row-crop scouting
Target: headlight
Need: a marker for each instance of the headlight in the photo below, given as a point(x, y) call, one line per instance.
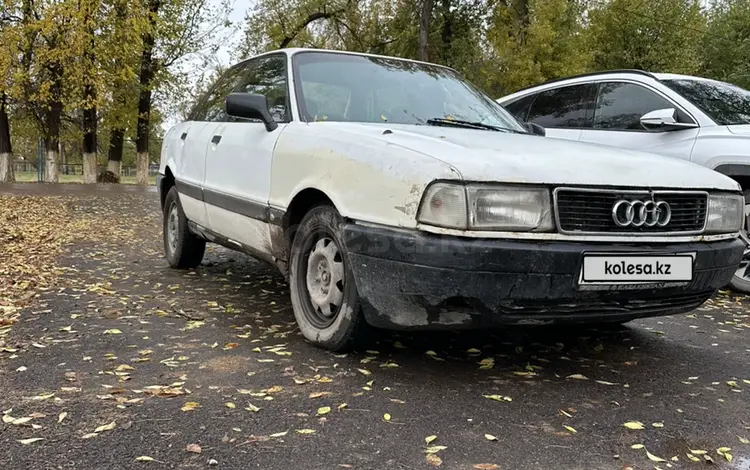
point(487, 207)
point(726, 213)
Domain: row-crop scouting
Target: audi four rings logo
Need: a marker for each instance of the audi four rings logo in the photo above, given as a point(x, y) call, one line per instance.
point(641, 213)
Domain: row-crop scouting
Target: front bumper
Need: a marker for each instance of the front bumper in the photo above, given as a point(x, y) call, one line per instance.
point(413, 280)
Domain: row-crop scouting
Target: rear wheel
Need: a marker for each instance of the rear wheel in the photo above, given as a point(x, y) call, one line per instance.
point(182, 248)
point(741, 280)
point(324, 296)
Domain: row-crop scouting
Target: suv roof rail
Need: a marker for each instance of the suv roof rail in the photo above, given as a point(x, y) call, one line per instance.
point(589, 74)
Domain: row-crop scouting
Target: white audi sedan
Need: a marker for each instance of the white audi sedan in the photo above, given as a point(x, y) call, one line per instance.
point(394, 194)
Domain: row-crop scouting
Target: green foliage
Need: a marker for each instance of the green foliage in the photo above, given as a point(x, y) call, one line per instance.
point(726, 46)
point(653, 35)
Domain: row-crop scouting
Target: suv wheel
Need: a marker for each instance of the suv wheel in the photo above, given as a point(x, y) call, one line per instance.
point(324, 296)
point(741, 280)
point(183, 248)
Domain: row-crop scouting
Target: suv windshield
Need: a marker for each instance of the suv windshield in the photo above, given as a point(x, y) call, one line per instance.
point(356, 88)
point(724, 103)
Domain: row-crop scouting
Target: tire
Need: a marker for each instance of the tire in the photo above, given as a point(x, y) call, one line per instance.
point(324, 295)
point(183, 249)
point(741, 280)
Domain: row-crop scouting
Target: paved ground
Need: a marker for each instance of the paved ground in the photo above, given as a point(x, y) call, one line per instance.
point(126, 359)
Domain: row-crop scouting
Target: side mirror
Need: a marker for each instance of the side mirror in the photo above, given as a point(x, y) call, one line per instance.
point(535, 129)
point(250, 106)
point(664, 119)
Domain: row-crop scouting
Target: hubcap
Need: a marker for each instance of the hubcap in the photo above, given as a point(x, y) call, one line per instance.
point(743, 272)
point(173, 223)
point(325, 278)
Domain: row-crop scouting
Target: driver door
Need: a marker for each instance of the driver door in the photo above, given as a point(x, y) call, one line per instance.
point(619, 107)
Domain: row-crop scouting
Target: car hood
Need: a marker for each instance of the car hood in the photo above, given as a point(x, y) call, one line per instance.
point(480, 155)
point(739, 129)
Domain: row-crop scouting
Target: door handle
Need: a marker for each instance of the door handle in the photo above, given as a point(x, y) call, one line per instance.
point(216, 139)
point(183, 136)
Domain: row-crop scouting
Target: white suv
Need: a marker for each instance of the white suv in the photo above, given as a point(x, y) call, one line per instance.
point(704, 121)
point(394, 194)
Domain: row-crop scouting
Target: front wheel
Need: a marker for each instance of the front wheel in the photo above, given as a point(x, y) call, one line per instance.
point(183, 248)
point(324, 296)
point(741, 280)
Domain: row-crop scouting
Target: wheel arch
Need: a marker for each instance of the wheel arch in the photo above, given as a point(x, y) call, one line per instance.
point(300, 205)
point(166, 184)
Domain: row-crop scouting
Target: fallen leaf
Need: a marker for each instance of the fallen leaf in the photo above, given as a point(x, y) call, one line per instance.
point(305, 431)
point(569, 428)
point(364, 371)
point(657, 425)
point(654, 458)
point(634, 425)
point(319, 394)
point(693, 458)
point(89, 435)
point(279, 434)
point(30, 440)
point(144, 458)
point(743, 440)
point(429, 439)
point(387, 417)
point(190, 406)
point(566, 413)
point(490, 437)
point(62, 416)
point(342, 406)
point(194, 448)
point(637, 446)
point(113, 331)
point(697, 452)
point(106, 427)
point(324, 410)
point(433, 460)
point(485, 466)
point(434, 449)
point(577, 377)
point(500, 398)
point(251, 407)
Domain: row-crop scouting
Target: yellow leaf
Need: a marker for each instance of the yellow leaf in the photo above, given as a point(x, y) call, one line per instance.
point(324, 410)
point(697, 452)
point(657, 425)
point(229, 346)
point(490, 437)
point(727, 456)
point(62, 416)
point(693, 458)
point(569, 428)
point(654, 458)
point(124, 367)
point(342, 406)
point(485, 466)
point(230, 405)
point(431, 353)
point(637, 446)
point(193, 448)
point(743, 440)
point(723, 450)
point(387, 417)
point(732, 383)
point(566, 413)
point(473, 351)
point(251, 407)
point(19, 421)
point(305, 431)
point(433, 460)
point(383, 118)
point(498, 397)
point(112, 331)
point(319, 394)
point(578, 377)
point(190, 406)
point(434, 449)
point(106, 427)
point(89, 435)
point(634, 425)
point(30, 440)
point(279, 434)
point(144, 458)
point(364, 371)
point(429, 439)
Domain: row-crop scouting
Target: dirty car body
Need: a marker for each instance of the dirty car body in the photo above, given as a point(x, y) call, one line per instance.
point(443, 210)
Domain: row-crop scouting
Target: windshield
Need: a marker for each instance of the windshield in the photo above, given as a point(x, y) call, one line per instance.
point(724, 103)
point(355, 88)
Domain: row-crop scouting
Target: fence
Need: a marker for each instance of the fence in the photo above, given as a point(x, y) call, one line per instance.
point(77, 169)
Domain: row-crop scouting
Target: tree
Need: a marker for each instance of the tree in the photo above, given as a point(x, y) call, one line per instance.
point(726, 47)
point(657, 35)
point(6, 150)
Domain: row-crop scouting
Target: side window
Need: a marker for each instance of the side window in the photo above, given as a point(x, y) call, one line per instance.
point(212, 105)
point(326, 101)
point(566, 107)
point(520, 107)
point(267, 76)
point(620, 106)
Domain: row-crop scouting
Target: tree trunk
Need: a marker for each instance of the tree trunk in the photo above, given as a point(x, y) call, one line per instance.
point(6, 151)
point(447, 33)
point(424, 28)
point(52, 136)
point(114, 156)
point(89, 111)
point(144, 97)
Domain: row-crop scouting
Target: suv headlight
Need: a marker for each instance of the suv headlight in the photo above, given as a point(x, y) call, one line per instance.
point(487, 207)
point(726, 213)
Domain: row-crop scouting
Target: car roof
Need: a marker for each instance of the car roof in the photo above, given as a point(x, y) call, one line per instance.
point(296, 50)
point(620, 72)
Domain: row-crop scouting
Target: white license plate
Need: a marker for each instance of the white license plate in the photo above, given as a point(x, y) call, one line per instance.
point(617, 269)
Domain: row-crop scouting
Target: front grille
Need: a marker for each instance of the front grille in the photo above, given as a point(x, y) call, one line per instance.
point(612, 304)
point(590, 211)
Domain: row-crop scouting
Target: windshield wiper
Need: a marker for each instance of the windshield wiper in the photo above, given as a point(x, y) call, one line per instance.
point(468, 125)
